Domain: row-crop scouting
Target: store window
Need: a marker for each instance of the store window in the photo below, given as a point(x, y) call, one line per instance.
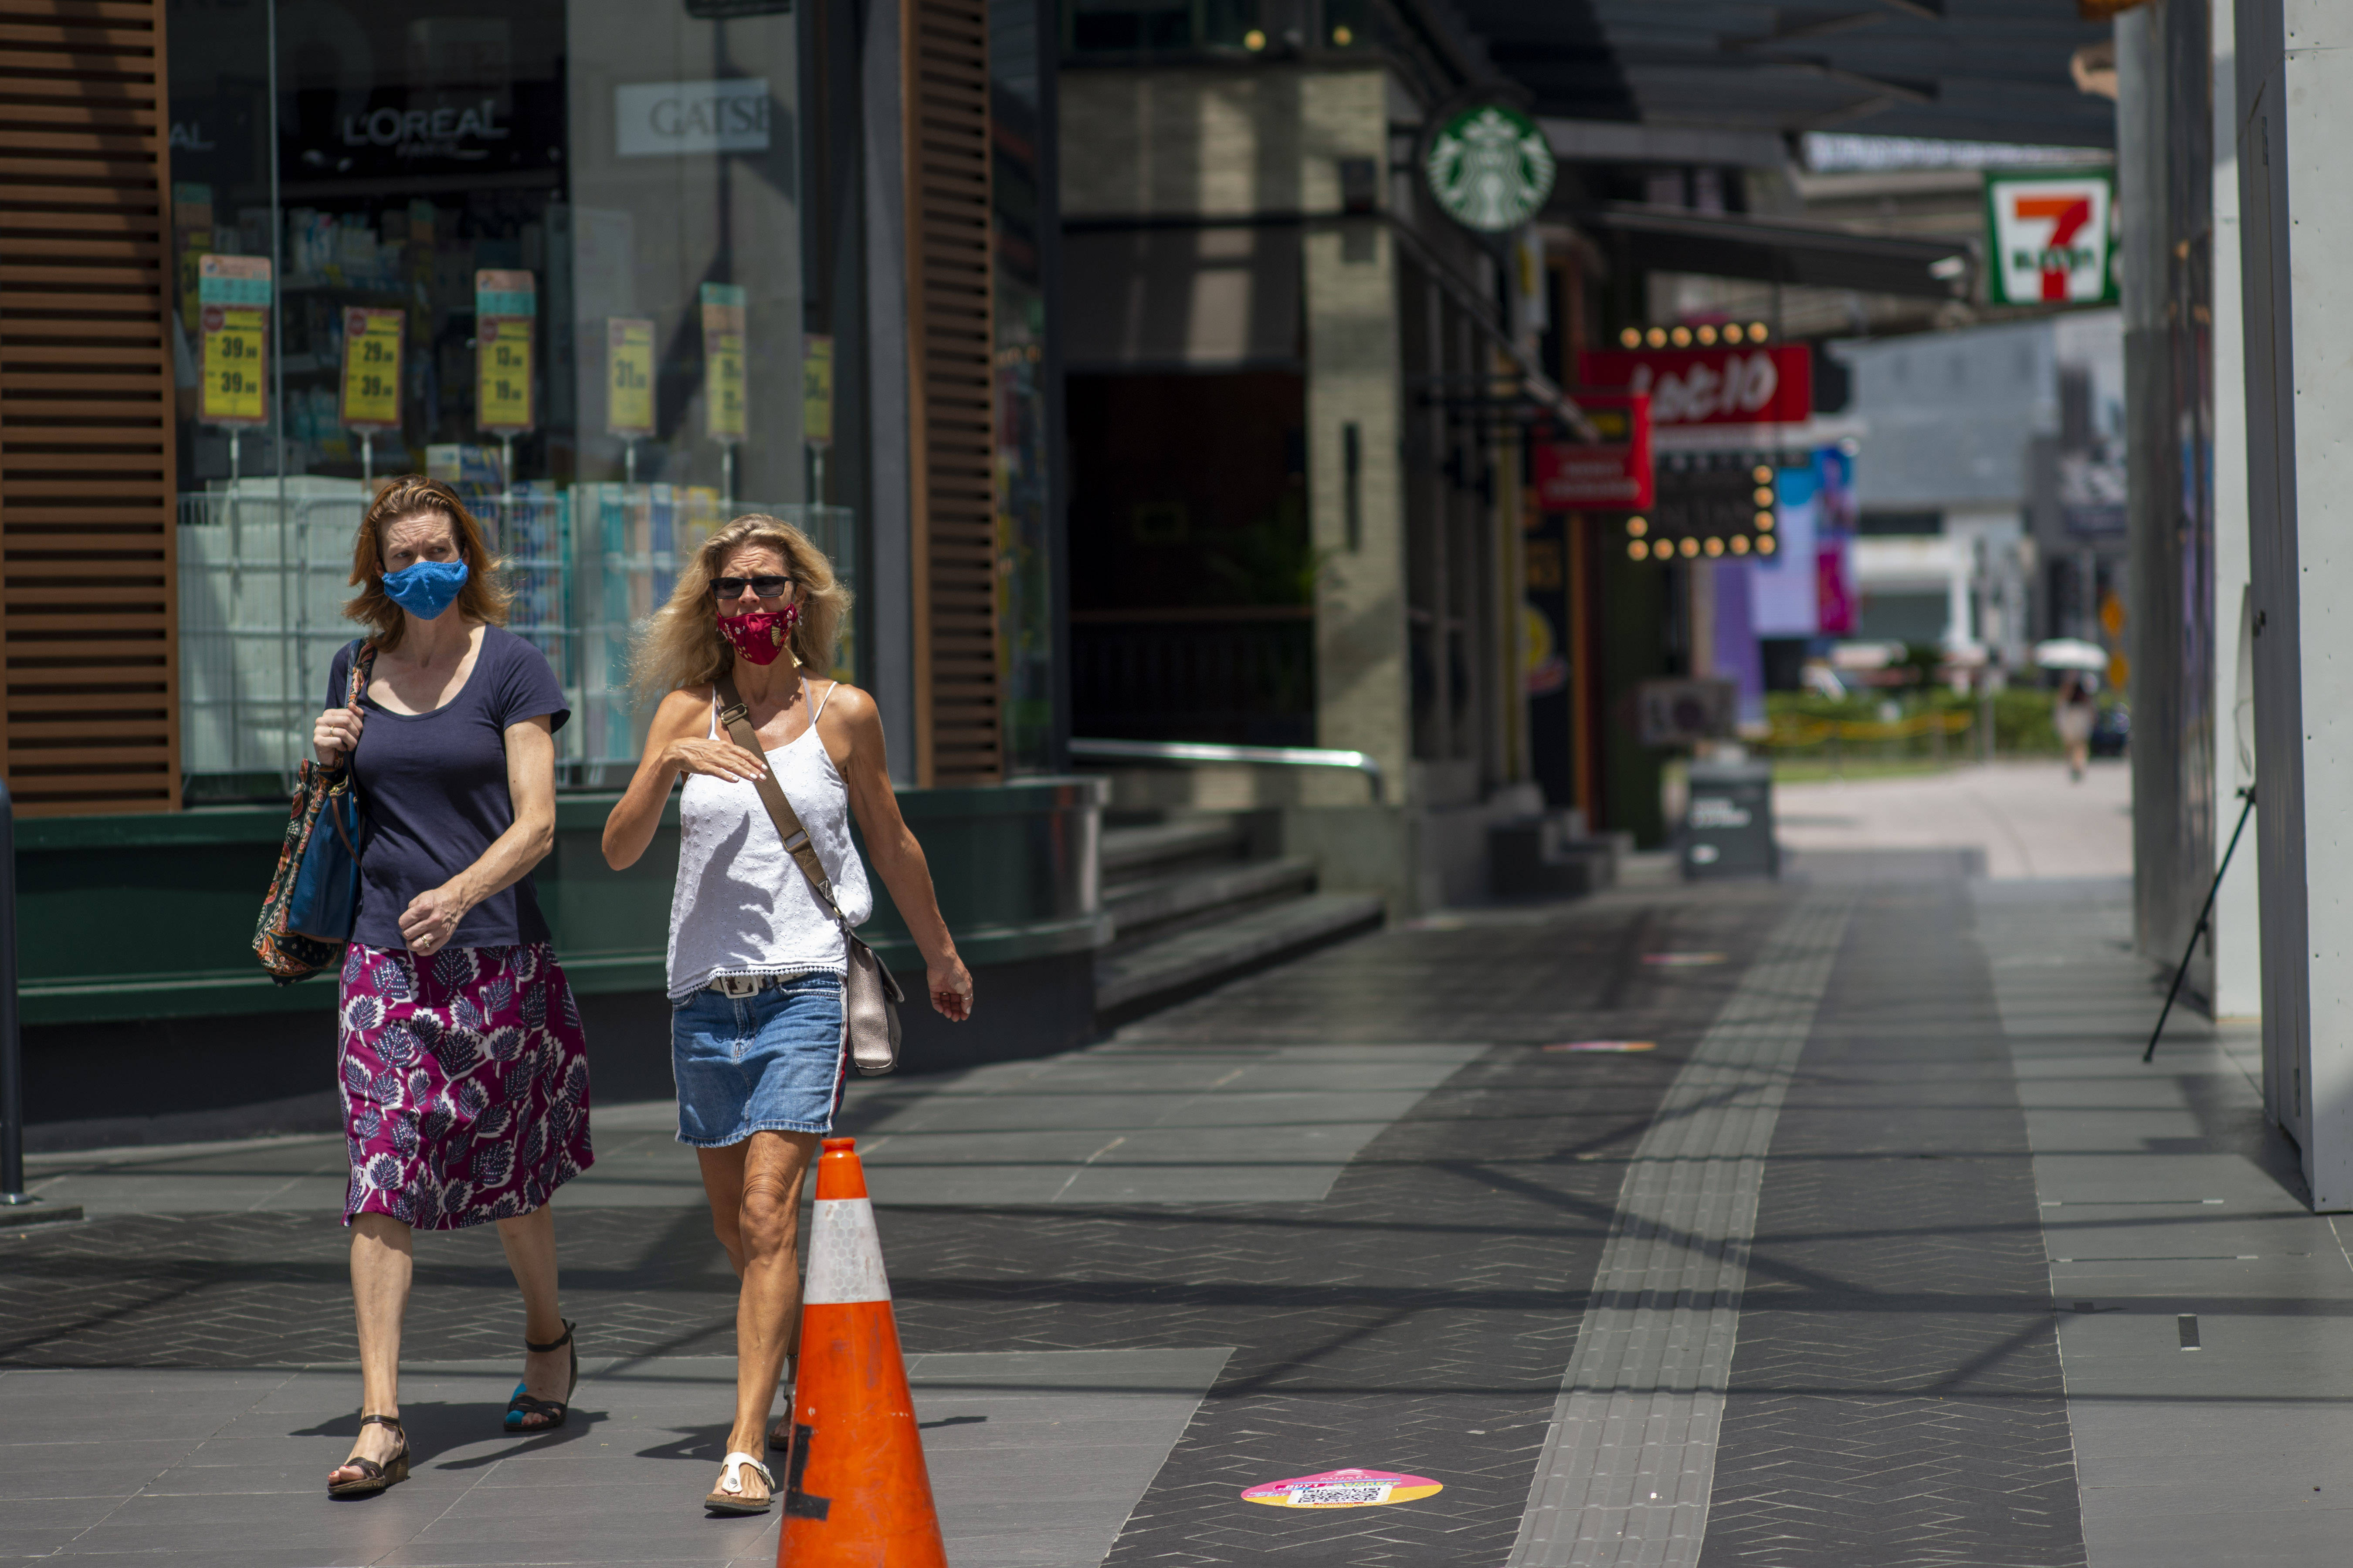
point(558, 254)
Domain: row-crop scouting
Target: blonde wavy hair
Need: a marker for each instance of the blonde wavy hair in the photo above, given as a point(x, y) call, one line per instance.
point(681, 645)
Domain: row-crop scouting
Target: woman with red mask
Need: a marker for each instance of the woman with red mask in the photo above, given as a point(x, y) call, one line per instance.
point(756, 961)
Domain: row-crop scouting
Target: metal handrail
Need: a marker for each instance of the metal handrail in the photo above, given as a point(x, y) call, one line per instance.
point(1207, 751)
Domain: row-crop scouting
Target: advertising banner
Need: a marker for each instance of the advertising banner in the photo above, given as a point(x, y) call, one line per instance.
point(233, 323)
point(1837, 515)
point(629, 377)
point(1710, 386)
point(817, 391)
point(2050, 236)
point(722, 361)
point(371, 393)
point(1615, 476)
point(1783, 586)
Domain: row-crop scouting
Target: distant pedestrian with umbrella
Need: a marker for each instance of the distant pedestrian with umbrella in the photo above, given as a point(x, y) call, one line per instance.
point(2075, 708)
point(2072, 714)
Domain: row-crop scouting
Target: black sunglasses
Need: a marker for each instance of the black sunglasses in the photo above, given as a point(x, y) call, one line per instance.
point(766, 587)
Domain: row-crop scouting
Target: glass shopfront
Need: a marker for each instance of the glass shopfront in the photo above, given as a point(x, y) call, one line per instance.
point(587, 259)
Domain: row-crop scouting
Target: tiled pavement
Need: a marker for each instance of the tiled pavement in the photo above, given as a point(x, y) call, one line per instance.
point(1433, 1195)
point(1896, 1396)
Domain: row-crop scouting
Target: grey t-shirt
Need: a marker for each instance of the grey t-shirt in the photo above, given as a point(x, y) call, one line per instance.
point(433, 793)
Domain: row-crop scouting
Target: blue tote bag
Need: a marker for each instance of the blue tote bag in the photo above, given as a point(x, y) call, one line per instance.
point(314, 894)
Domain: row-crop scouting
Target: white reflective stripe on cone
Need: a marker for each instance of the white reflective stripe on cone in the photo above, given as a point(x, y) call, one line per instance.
point(845, 1255)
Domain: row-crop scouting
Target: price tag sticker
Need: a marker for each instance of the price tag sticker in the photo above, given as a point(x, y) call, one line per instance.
point(629, 377)
point(722, 359)
point(372, 345)
point(234, 374)
point(502, 373)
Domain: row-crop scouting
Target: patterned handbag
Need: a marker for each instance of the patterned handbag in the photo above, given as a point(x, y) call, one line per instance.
point(313, 896)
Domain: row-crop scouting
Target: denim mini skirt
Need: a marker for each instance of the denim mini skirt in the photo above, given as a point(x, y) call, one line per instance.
point(774, 1061)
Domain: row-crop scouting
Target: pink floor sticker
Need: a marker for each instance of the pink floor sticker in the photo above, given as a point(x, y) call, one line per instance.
point(1604, 1045)
point(1343, 1489)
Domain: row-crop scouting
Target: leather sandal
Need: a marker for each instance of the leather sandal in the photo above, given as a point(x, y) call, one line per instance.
point(729, 1497)
point(374, 1475)
point(525, 1403)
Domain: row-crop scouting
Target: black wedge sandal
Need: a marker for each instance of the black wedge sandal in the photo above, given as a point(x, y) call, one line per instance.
point(373, 1477)
point(525, 1403)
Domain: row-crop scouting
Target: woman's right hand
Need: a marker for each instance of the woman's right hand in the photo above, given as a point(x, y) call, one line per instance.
point(336, 735)
point(713, 759)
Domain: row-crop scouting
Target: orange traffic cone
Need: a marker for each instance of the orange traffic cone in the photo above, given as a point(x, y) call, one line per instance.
point(856, 1492)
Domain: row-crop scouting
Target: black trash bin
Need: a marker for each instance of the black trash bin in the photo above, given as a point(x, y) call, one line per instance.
point(1728, 824)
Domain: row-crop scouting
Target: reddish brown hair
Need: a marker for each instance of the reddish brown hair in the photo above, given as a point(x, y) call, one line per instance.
point(483, 598)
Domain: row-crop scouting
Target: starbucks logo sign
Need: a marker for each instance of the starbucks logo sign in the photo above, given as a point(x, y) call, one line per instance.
point(1489, 168)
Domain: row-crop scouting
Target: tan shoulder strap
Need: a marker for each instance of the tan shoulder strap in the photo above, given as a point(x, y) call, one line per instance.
point(737, 719)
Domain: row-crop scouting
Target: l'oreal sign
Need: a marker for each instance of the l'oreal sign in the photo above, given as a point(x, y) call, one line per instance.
point(657, 119)
point(438, 133)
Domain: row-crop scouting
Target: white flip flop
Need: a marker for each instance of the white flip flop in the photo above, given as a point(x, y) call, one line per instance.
point(730, 1497)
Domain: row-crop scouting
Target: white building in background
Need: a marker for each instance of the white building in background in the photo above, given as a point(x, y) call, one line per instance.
point(1983, 479)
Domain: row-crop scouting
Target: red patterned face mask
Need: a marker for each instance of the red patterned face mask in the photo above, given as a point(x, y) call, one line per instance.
point(761, 635)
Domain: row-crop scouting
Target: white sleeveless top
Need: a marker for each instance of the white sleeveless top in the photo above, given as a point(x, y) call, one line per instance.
point(741, 906)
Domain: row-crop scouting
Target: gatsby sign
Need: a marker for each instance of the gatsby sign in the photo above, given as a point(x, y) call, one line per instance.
point(1489, 168)
point(2049, 237)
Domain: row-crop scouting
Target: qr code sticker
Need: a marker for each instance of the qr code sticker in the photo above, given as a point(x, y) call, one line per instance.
point(1340, 1497)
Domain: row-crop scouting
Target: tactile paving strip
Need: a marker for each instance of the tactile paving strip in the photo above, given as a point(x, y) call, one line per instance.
point(1628, 1466)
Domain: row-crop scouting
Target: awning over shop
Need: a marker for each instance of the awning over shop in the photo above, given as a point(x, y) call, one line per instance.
point(1221, 298)
point(1668, 239)
point(1979, 70)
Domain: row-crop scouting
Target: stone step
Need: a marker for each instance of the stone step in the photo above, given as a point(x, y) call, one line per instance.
point(1175, 967)
point(1139, 907)
point(1134, 851)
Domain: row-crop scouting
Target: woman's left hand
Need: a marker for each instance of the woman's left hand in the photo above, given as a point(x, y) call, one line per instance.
point(950, 983)
point(431, 918)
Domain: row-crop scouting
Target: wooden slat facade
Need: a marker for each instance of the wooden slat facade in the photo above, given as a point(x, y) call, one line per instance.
point(959, 731)
point(90, 690)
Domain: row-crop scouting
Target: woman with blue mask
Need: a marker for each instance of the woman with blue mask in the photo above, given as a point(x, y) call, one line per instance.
point(463, 1069)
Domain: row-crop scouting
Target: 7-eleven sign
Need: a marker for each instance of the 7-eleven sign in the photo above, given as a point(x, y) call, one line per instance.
point(2050, 236)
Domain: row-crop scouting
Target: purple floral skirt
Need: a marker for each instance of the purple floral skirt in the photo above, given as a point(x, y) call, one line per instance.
point(465, 1081)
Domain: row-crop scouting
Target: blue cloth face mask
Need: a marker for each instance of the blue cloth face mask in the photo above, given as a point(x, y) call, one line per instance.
point(428, 588)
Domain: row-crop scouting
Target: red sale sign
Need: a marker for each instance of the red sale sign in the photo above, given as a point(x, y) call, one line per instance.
point(1614, 476)
point(1711, 387)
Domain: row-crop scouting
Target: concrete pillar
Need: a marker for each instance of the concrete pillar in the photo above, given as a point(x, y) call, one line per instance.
point(2238, 952)
point(1356, 476)
point(2294, 139)
point(2153, 621)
